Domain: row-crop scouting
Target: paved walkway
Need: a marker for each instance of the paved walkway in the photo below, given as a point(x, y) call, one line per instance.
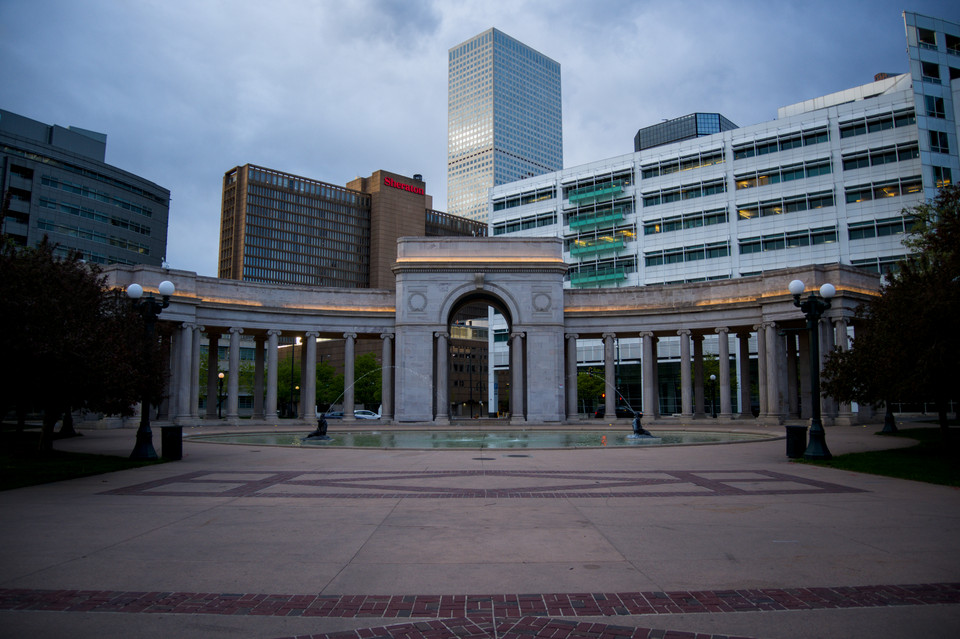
point(696, 541)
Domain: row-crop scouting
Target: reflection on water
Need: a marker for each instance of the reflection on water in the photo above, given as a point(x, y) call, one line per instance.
point(476, 440)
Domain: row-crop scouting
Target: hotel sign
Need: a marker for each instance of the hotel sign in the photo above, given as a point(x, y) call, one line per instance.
point(403, 187)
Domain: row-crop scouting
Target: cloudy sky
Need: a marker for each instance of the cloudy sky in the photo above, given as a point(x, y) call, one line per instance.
point(333, 89)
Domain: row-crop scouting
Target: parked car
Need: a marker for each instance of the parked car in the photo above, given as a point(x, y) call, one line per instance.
point(365, 414)
point(331, 415)
point(622, 411)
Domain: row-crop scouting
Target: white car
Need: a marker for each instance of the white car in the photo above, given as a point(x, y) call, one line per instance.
point(365, 414)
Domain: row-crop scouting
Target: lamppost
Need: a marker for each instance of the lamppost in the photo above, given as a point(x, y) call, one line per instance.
point(813, 308)
point(713, 395)
point(220, 396)
point(149, 308)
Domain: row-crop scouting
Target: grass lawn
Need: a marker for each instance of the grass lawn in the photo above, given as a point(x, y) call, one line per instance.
point(929, 461)
point(22, 465)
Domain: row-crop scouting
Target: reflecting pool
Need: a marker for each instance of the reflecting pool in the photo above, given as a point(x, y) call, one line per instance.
point(480, 440)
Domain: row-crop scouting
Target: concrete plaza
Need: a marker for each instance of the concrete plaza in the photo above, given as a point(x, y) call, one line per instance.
point(266, 542)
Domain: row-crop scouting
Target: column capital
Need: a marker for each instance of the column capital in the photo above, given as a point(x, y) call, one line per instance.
point(443, 334)
point(274, 332)
point(312, 334)
point(572, 335)
point(721, 330)
point(647, 334)
point(684, 332)
point(236, 330)
point(387, 335)
point(697, 337)
point(606, 335)
point(189, 325)
point(346, 335)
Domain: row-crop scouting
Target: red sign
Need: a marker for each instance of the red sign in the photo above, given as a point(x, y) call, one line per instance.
point(403, 187)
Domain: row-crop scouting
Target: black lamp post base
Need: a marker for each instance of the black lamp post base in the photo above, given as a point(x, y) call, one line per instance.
point(144, 450)
point(817, 448)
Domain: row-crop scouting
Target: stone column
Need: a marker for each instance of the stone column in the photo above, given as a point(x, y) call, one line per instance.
point(828, 410)
point(793, 380)
point(686, 391)
point(648, 363)
point(258, 364)
point(762, 368)
point(844, 410)
point(723, 359)
point(348, 375)
point(195, 374)
point(773, 373)
point(699, 412)
point(442, 382)
point(184, 367)
point(386, 378)
point(609, 376)
point(746, 400)
point(213, 368)
point(308, 387)
point(270, 410)
point(517, 394)
point(573, 412)
point(803, 372)
point(233, 381)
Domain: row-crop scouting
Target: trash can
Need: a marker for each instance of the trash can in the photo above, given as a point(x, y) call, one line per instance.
point(171, 442)
point(796, 441)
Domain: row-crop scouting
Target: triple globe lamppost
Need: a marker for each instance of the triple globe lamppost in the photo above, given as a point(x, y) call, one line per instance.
point(149, 308)
point(813, 308)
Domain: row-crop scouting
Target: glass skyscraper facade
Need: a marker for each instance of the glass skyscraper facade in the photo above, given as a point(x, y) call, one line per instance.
point(504, 119)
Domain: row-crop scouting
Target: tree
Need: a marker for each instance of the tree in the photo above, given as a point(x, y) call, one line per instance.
point(590, 386)
point(367, 380)
point(907, 344)
point(67, 340)
point(329, 384)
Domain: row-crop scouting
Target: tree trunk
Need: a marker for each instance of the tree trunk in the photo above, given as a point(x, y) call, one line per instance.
point(67, 429)
point(50, 418)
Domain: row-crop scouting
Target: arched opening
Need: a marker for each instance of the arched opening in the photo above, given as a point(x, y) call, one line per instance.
point(479, 358)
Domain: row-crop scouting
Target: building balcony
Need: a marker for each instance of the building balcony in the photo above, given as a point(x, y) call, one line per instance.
point(598, 247)
point(598, 278)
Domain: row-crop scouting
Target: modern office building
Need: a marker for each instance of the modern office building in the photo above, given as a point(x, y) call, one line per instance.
point(824, 183)
point(281, 228)
point(694, 125)
point(60, 186)
point(504, 119)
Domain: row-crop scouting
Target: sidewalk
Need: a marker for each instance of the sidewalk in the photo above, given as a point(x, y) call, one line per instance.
point(265, 542)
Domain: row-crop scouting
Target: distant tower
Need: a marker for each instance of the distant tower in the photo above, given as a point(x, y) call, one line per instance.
point(504, 119)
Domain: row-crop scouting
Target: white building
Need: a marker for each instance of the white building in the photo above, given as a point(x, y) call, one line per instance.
point(504, 118)
point(824, 183)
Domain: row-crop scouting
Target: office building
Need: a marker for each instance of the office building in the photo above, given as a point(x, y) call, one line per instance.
point(59, 185)
point(823, 183)
point(280, 228)
point(504, 119)
point(691, 126)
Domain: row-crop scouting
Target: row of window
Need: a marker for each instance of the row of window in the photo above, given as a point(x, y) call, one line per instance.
point(687, 254)
point(885, 155)
point(100, 196)
point(878, 228)
point(687, 163)
point(597, 182)
point(616, 266)
point(783, 142)
point(783, 174)
point(525, 198)
point(879, 190)
point(90, 214)
point(684, 192)
point(791, 239)
point(529, 222)
point(875, 123)
point(304, 185)
point(881, 265)
point(686, 221)
point(86, 234)
point(791, 204)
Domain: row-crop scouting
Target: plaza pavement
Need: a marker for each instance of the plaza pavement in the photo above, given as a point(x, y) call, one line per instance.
point(265, 542)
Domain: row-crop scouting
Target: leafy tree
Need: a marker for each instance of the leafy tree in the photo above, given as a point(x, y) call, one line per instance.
point(329, 384)
point(590, 386)
point(68, 341)
point(367, 380)
point(907, 343)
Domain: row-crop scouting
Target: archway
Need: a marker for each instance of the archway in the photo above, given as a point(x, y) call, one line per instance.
point(479, 359)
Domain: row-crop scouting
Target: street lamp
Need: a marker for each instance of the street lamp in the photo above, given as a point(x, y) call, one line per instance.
point(713, 395)
point(813, 308)
point(220, 396)
point(149, 308)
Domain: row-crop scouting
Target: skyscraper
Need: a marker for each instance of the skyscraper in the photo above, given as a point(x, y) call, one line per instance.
point(504, 119)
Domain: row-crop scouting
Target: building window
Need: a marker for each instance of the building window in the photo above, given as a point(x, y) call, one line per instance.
point(938, 142)
point(926, 38)
point(935, 107)
point(942, 176)
point(930, 72)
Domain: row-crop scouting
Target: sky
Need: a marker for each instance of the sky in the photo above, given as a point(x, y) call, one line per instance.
point(334, 89)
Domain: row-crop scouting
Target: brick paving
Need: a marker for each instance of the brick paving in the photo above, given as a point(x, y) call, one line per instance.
point(468, 484)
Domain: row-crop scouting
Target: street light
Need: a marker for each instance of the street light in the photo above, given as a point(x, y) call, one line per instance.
point(813, 308)
point(149, 308)
point(220, 396)
point(713, 395)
